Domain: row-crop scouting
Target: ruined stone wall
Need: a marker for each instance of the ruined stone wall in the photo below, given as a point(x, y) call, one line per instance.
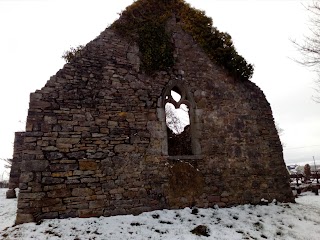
point(15, 169)
point(96, 140)
point(16, 160)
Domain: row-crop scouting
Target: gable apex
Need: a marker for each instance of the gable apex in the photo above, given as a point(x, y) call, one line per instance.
point(148, 18)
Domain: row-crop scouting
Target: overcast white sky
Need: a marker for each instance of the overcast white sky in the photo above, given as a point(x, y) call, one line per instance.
point(35, 33)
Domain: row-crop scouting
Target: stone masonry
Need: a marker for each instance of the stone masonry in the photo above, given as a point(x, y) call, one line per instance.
point(16, 165)
point(96, 137)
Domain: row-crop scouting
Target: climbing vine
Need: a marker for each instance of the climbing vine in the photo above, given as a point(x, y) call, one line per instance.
point(145, 22)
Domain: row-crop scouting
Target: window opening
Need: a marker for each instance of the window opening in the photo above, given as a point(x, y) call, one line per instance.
point(176, 94)
point(178, 124)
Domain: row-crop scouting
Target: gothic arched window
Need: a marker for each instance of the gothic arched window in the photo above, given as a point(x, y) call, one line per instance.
point(178, 109)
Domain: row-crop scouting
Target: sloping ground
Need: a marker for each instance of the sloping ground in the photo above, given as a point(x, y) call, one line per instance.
point(275, 221)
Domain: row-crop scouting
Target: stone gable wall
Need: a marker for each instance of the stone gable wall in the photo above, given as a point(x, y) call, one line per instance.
point(95, 141)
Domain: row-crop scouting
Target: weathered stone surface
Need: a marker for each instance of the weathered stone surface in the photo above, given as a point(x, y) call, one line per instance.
point(49, 215)
point(53, 155)
point(123, 148)
point(82, 192)
point(24, 218)
point(97, 204)
point(51, 180)
point(59, 193)
point(225, 194)
point(63, 166)
point(34, 165)
point(26, 177)
point(35, 195)
point(11, 193)
point(68, 140)
point(50, 119)
point(184, 182)
point(77, 155)
point(96, 141)
point(45, 202)
point(86, 213)
point(15, 170)
point(87, 165)
point(62, 174)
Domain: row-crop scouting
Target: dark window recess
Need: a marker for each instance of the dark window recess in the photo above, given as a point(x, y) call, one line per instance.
point(179, 144)
point(178, 125)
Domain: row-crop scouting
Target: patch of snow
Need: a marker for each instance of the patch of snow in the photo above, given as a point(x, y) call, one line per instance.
point(8, 208)
point(275, 221)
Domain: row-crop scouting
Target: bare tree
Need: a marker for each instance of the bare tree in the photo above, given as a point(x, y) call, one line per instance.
point(280, 133)
point(310, 48)
point(8, 162)
point(307, 172)
point(279, 129)
point(173, 121)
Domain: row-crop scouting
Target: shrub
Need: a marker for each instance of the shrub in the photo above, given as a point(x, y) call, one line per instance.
point(72, 53)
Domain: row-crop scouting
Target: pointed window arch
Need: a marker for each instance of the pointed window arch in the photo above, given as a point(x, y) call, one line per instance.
point(179, 125)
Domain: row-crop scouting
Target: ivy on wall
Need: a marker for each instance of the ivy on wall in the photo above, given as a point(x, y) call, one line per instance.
point(145, 20)
point(156, 47)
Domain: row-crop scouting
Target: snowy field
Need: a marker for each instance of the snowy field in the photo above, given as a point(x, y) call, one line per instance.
point(275, 221)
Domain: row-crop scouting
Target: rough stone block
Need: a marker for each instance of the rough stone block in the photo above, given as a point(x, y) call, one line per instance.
point(225, 194)
point(11, 193)
point(64, 147)
point(45, 202)
point(214, 199)
point(62, 174)
point(53, 155)
point(22, 204)
point(54, 187)
point(77, 155)
point(87, 165)
point(89, 180)
point(52, 180)
point(30, 139)
point(59, 193)
point(26, 177)
point(87, 213)
point(34, 165)
point(63, 167)
point(49, 215)
point(50, 119)
point(97, 204)
point(123, 148)
point(24, 218)
point(82, 192)
point(34, 196)
point(39, 104)
point(69, 140)
point(50, 148)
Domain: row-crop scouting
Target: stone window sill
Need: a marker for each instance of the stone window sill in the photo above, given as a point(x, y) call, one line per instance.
point(185, 157)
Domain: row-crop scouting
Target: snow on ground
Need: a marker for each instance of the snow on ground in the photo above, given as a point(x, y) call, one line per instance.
point(8, 209)
point(275, 221)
